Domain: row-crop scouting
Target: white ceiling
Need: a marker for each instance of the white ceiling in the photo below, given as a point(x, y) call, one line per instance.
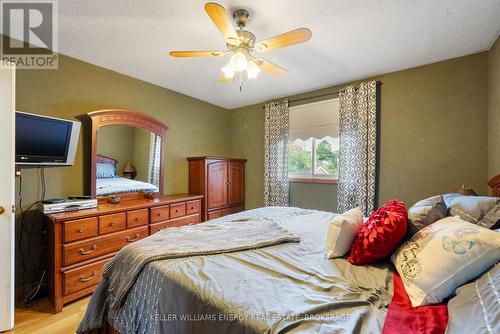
point(352, 39)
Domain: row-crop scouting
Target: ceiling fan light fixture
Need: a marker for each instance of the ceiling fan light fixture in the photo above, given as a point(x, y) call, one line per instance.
point(261, 47)
point(228, 71)
point(253, 70)
point(239, 60)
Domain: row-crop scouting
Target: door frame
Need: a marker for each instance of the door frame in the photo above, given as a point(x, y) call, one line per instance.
point(7, 240)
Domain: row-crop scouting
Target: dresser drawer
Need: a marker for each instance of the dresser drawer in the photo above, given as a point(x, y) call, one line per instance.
point(102, 245)
point(159, 214)
point(193, 207)
point(80, 229)
point(137, 218)
point(112, 223)
point(177, 210)
point(82, 277)
point(186, 220)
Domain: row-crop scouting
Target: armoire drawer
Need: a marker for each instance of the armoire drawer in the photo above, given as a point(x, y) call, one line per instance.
point(88, 249)
point(177, 222)
point(80, 229)
point(231, 210)
point(82, 277)
point(214, 214)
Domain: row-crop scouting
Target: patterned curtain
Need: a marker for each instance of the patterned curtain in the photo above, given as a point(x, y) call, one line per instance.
point(154, 160)
point(276, 154)
point(358, 147)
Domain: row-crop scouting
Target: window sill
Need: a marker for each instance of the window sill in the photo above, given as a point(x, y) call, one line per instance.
point(312, 180)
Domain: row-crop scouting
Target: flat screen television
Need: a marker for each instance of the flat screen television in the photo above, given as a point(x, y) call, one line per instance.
point(43, 140)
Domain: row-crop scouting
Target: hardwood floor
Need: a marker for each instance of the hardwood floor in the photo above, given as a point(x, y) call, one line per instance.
point(40, 319)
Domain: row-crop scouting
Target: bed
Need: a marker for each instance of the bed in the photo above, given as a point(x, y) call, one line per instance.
point(116, 184)
point(290, 287)
point(286, 288)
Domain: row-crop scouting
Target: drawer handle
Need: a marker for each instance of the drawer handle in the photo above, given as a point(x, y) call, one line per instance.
point(191, 222)
point(91, 250)
point(134, 239)
point(86, 279)
point(112, 223)
point(158, 214)
point(81, 230)
point(137, 219)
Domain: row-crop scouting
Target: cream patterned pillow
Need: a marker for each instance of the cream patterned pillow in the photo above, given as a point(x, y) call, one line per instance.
point(444, 255)
point(341, 232)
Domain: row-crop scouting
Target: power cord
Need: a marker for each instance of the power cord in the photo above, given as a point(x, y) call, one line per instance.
point(30, 269)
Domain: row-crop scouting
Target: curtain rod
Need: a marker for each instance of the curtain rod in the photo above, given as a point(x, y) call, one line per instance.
point(320, 95)
point(311, 97)
point(314, 97)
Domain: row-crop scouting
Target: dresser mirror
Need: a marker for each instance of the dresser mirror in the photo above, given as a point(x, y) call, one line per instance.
point(127, 153)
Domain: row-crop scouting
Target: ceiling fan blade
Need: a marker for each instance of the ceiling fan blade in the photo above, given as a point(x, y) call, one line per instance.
point(296, 36)
point(221, 20)
point(196, 53)
point(224, 79)
point(269, 67)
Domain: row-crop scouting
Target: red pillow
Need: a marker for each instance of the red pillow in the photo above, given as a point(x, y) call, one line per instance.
point(381, 234)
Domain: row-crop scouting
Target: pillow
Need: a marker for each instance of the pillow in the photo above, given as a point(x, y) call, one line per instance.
point(426, 212)
point(481, 210)
point(380, 235)
point(103, 171)
point(341, 232)
point(444, 255)
point(475, 309)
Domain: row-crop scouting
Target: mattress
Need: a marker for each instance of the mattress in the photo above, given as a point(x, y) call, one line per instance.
point(117, 185)
point(287, 288)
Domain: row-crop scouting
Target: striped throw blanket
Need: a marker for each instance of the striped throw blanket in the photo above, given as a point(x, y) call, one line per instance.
point(203, 239)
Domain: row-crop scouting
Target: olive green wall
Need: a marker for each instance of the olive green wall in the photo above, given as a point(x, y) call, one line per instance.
point(314, 196)
point(76, 88)
point(142, 142)
point(117, 142)
point(433, 134)
point(494, 111)
point(247, 141)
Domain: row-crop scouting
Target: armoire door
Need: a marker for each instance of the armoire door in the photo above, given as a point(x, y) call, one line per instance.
point(236, 182)
point(216, 184)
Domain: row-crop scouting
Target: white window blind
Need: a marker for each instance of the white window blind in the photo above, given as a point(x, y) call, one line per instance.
point(315, 120)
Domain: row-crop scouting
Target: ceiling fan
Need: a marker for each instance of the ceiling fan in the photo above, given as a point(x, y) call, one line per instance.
point(241, 43)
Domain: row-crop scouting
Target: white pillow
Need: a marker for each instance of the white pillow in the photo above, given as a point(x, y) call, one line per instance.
point(341, 232)
point(444, 255)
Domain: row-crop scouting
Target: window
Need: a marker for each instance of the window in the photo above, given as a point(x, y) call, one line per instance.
point(313, 150)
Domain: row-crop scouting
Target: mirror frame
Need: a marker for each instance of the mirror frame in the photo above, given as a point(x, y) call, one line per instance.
point(108, 117)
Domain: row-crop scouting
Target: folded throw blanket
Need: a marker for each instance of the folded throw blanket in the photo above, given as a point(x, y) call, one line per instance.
point(203, 239)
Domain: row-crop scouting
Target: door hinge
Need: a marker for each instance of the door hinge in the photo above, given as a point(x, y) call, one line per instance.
point(13, 209)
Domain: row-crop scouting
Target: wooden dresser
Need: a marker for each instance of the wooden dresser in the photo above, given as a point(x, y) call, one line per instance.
point(81, 242)
point(222, 183)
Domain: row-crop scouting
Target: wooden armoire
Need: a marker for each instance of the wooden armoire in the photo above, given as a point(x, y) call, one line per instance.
point(221, 181)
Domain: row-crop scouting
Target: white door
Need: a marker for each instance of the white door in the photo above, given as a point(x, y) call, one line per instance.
point(7, 170)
